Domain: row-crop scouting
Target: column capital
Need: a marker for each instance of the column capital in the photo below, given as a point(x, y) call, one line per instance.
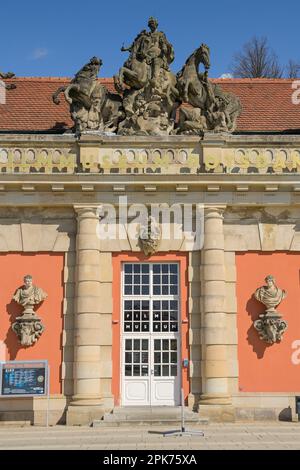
point(214, 210)
point(87, 210)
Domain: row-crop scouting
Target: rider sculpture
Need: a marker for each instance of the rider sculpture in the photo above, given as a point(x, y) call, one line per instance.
point(148, 87)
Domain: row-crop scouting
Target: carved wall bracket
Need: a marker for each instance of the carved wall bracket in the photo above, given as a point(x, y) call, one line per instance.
point(270, 329)
point(28, 329)
point(149, 236)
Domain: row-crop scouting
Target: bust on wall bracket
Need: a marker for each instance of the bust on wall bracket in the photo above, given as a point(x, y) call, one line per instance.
point(28, 327)
point(270, 324)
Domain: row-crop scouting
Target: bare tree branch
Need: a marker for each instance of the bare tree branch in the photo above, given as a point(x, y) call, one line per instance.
point(293, 69)
point(256, 60)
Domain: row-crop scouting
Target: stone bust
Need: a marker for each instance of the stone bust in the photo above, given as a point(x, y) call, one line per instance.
point(29, 295)
point(270, 295)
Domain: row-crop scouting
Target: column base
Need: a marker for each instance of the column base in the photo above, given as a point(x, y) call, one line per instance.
point(80, 414)
point(215, 399)
point(217, 413)
point(82, 411)
point(193, 401)
point(86, 402)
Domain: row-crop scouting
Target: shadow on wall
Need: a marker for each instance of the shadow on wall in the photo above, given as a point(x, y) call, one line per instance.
point(285, 414)
point(14, 310)
point(254, 308)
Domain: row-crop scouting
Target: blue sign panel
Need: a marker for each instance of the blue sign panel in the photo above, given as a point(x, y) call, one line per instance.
point(24, 378)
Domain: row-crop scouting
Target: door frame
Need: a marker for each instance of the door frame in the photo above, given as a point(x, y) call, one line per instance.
point(117, 260)
point(151, 335)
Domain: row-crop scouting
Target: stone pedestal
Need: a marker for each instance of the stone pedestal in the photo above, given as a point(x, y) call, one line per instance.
point(86, 403)
point(28, 328)
point(214, 351)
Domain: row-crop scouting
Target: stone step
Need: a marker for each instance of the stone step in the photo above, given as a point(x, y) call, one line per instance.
point(149, 411)
point(122, 416)
point(175, 423)
point(15, 424)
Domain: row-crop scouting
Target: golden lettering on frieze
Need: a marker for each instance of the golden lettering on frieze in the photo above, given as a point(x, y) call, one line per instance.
point(234, 161)
point(163, 161)
point(89, 162)
point(44, 162)
point(266, 160)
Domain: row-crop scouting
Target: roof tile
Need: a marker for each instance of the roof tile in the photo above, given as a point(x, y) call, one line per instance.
point(266, 105)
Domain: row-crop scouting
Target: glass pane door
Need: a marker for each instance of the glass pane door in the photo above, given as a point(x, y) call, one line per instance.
point(151, 334)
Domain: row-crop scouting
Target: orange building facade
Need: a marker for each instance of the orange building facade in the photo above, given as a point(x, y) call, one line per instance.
point(127, 327)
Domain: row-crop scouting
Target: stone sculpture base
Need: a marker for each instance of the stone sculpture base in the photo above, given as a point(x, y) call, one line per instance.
point(270, 327)
point(28, 328)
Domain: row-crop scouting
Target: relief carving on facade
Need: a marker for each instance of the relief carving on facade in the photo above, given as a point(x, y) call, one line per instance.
point(270, 324)
point(28, 327)
point(150, 236)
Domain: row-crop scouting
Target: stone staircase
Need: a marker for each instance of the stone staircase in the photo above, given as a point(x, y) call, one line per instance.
point(159, 415)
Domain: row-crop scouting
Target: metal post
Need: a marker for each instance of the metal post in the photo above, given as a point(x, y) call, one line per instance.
point(48, 396)
point(183, 431)
point(182, 411)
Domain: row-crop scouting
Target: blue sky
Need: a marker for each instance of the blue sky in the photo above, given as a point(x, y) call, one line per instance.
point(55, 38)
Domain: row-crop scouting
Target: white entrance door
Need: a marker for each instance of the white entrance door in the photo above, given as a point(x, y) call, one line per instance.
point(150, 334)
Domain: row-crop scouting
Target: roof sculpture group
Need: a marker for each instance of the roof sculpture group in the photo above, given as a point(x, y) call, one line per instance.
point(151, 99)
point(149, 95)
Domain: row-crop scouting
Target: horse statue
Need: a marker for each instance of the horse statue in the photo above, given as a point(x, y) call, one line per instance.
point(147, 85)
point(92, 106)
point(135, 73)
point(81, 87)
point(190, 82)
point(217, 110)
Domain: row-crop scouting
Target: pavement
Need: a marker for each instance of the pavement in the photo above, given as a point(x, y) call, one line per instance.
point(266, 436)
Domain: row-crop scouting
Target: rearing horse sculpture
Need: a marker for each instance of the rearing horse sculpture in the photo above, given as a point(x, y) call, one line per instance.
point(217, 110)
point(190, 81)
point(82, 85)
point(135, 73)
point(92, 106)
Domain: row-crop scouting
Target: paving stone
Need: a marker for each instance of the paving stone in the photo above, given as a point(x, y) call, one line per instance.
point(234, 436)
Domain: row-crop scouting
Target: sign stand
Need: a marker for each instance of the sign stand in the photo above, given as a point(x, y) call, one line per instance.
point(48, 397)
point(182, 431)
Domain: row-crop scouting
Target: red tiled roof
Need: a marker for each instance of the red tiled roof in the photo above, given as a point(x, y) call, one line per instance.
point(267, 105)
